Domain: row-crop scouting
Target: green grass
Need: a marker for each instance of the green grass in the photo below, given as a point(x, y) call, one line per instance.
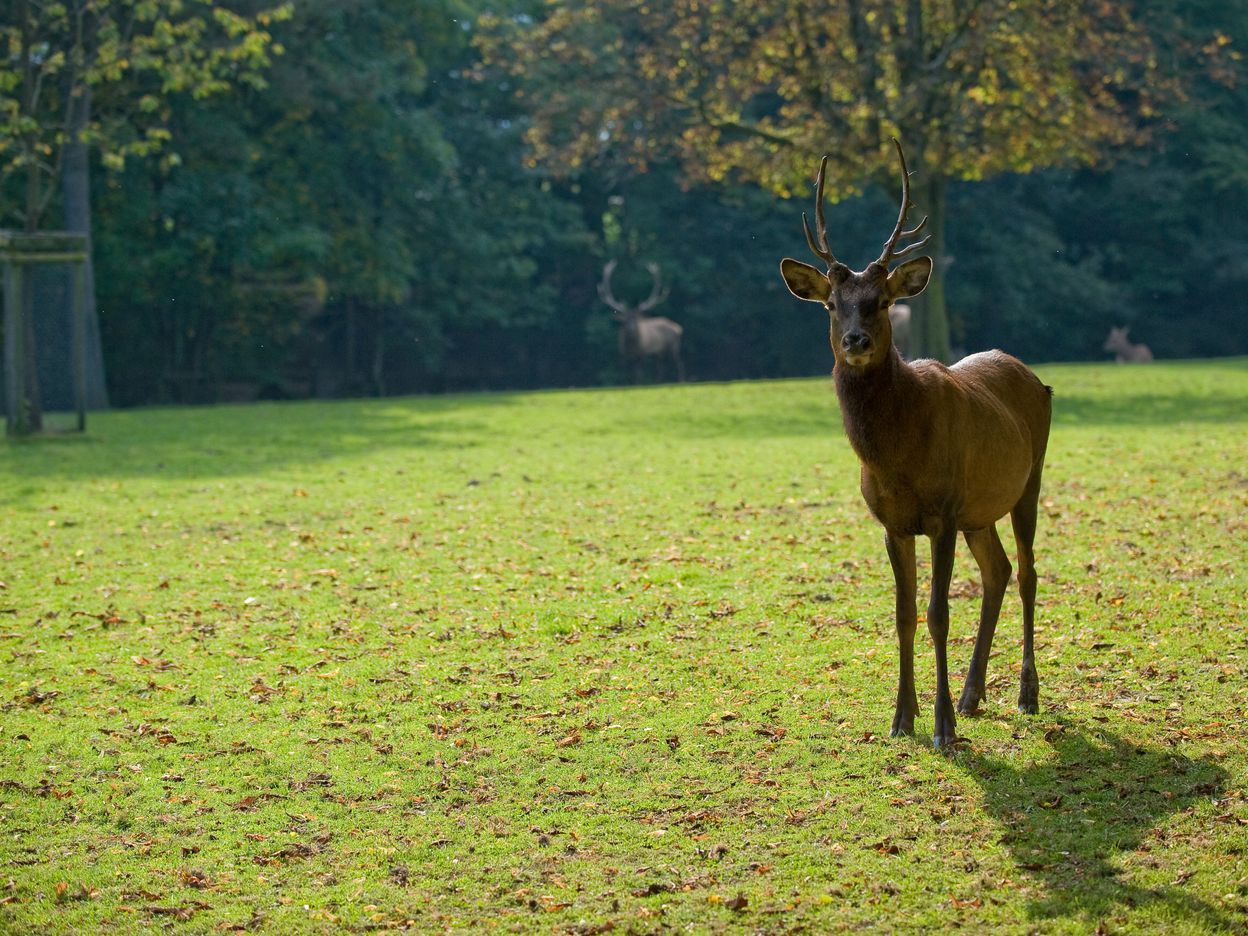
point(575, 661)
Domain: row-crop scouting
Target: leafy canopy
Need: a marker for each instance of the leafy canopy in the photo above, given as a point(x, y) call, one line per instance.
point(128, 58)
point(753, 90)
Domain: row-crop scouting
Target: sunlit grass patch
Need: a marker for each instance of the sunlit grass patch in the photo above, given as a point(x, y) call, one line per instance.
point(565, 661)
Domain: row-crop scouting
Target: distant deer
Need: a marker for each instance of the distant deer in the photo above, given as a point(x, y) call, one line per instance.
point(899, 317)
point(643, 336)
point(1125, 350)
point(942, 449)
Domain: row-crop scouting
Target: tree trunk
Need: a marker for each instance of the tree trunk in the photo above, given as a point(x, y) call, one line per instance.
point(379, 355)
point(349, 347)
point(931, 330)
point(30, 402)
point(76, 187)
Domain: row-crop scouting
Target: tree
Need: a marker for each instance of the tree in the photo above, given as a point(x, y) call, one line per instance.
point(432, 227)
point(363, 224)
point(101, 74)
point(757, 91)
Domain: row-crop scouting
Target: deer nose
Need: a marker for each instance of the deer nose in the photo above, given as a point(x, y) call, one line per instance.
point(856, 342)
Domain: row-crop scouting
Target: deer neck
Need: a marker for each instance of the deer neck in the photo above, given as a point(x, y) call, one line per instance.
point(630, 336)
point(875, 402)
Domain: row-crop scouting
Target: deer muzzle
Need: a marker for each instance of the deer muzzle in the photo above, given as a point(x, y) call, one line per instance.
point(857, 346)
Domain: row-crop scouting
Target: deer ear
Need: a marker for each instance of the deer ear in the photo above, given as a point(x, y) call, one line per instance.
point(910, 278)
point(804, 281)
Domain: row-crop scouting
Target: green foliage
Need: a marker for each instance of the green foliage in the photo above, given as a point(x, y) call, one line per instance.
point(757, 91)
point(120, 63)
point(371, 220)
point(750, 91)
point(380, 204)
point(558, 661)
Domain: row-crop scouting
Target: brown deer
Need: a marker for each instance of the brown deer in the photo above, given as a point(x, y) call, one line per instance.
point(943, 450)
point(643, 336)
point(1125, 350)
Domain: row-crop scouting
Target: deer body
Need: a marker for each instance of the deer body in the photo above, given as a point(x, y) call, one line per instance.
point(643, 336)
point(914, 481)
point(1125, 350)
point(650, 336)
point(942, 449)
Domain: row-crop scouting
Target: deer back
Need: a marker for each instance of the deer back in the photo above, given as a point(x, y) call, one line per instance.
point(938, 442)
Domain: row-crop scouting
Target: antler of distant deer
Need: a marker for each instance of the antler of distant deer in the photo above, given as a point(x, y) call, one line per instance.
point(657, 291)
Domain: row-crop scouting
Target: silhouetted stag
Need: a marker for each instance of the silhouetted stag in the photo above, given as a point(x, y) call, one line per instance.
point(643, 336)
point(942, 449)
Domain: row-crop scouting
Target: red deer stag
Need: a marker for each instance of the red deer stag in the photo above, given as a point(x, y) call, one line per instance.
point(1125, 350)
point(643, 336)
point(943, 450)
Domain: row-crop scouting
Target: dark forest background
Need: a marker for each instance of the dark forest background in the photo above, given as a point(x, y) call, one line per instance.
point(368, 220)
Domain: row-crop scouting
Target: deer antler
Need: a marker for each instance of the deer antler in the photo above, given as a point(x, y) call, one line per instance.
point(820, 249)
point(657, 292)
point(604, 288)
point(890, 253)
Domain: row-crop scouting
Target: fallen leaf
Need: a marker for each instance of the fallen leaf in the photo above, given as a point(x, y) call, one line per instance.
point(654, 887)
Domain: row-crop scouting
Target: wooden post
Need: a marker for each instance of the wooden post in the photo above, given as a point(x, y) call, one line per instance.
point(17, 416)
point(79, 311)
point(17, 251)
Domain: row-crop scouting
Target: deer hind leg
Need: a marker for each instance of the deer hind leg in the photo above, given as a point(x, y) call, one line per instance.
point(944, 543)
point(994, 569)
point(1023, 517)
point(901, 555)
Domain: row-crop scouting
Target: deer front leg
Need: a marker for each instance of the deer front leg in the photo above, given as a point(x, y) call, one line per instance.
point(901, 555)
point(680, 366)
point(943, 543)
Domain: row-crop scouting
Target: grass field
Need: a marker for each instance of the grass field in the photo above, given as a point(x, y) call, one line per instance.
point(615, 660)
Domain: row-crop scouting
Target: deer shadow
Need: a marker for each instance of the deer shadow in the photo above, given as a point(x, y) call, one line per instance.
point(1066, 821)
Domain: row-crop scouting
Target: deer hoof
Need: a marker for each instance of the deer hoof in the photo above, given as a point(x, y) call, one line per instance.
point(968, 704)
point(903, 724)
point(1029, 693)
point(945, 732)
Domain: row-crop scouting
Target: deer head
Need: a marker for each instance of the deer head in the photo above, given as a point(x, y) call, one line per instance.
point(626, 312)
point(858, 303)
point(1117, 339)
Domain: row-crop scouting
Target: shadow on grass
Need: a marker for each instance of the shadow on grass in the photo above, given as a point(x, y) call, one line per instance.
point(1068, 820)
point(231, 441)
point(1162, 394)
point(1149, 409)
point(822, 423)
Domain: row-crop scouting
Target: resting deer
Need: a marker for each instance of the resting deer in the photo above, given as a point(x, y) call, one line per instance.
point(643, 336)
point(899, 318)
point(1125, 350)
point(943, 450)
